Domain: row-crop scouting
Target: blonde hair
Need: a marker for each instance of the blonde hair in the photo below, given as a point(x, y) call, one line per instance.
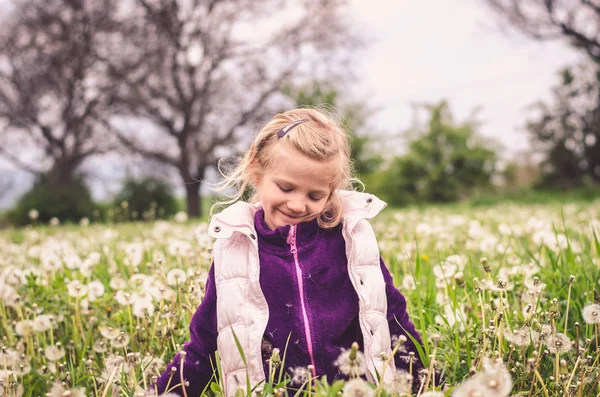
point(321, 138)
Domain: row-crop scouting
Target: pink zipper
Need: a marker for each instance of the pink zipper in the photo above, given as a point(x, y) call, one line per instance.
point(294, 250)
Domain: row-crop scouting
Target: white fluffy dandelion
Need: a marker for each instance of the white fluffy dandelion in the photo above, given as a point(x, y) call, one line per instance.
point(497, 383)
point(42, 323)
point(143, 306)
point(521, 337)
point(176, 277)
point(180, 217)
point(357, 388)
point(54, 352)
point(124, 298)
point(96, 290)
point(24, 327)
point(401, 383)
point(300, 375)
point(120, 341)
point(351, 367)
point(117, 283)
point(559, 343)
point(76, 289)
point(591, 314)
point(58, 390)
point(109, 332)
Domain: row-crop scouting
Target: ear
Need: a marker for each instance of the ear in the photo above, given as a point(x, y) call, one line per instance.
point(255, 179)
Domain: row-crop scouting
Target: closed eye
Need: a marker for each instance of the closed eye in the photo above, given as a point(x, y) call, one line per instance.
point(284, 189)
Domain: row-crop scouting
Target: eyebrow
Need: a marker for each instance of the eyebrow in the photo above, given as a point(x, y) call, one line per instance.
point(278, 180)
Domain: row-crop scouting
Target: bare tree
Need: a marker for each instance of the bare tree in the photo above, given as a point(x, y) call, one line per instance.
point(203, 72)
point(576, 20)
point(51, 99)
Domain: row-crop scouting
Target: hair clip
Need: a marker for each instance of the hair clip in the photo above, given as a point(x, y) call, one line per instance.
point(290, 126)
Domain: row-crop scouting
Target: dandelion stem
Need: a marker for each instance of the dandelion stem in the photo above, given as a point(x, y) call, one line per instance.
point(572, 374)
point(539, 378)
point(181, 362)
point(568, 304)
point(109, 381)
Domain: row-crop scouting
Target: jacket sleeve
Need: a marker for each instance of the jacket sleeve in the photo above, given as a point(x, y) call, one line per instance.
point(400, 324)
point(200, 350)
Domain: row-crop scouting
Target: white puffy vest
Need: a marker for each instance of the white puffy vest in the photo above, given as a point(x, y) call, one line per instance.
point(245, 312)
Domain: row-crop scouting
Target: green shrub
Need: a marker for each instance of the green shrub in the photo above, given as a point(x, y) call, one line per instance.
point(146, 199)
point(68, 203)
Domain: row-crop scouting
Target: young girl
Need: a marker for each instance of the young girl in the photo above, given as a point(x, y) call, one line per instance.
point(298, 266)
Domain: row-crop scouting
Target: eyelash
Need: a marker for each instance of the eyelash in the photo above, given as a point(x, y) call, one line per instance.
point(289, 190)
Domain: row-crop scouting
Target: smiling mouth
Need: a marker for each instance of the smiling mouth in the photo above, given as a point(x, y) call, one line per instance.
point(290, 216)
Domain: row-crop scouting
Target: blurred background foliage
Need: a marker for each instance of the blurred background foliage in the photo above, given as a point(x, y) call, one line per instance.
point(82, 79)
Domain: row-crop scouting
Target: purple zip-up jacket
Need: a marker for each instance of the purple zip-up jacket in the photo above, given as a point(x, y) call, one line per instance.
point(331, 305)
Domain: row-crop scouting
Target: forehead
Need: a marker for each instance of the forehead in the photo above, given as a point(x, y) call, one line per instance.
point(293, 167)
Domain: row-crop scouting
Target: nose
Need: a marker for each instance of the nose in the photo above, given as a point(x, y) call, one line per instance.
point(297, 206)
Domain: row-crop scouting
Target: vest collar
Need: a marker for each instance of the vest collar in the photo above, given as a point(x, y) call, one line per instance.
point(239, 217)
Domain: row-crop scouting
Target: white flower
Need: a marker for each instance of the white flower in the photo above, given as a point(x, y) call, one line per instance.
point(408, 282)
point(120, 341)
point(559, 343)
point(124, 298)
point(33, 214)
point(497, 383)
point(109, 332)
point(58, 390)
point(350, 367)
point(401, 383)
point(176, 277)
point(117, 283)
point(300, 375)
point(179, 248)
point(54, 222)
point(21, 367)
point(142, 306)
point(96, 290)
point(445, 270)
point(152, 365)
point(181, 217)
point(357, 388)
point(54, 352)
point(521, 337)
point(134, 254)
point(591, 314)
point(534, 285)
point(42, 323)
point(84, 222)
point(100, 346)
point(76, 289)
point(24, 327)
point(72, 261)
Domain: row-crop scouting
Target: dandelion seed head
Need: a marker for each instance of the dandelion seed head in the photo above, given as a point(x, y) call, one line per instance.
point(401, 383)
point(54, 352)
point(591, 314)
point(176, 277)
point(559, 343)
point(76, 289)
point(24, 327)
point(299, 375)
point(357, 388)
point(350, 367)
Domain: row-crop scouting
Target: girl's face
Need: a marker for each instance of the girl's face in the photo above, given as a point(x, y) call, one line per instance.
point(294, 189)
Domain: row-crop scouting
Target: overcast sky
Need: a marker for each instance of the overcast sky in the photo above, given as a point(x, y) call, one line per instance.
point(428, 50)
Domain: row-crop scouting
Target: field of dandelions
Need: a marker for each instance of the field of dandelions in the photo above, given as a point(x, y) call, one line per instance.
point(504, 297)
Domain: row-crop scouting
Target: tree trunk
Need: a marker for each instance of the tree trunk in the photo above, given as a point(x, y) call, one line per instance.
point(193, 199)
point(62, 172)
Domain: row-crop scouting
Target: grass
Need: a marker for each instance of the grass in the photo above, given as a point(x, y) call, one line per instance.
point(472, 276)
